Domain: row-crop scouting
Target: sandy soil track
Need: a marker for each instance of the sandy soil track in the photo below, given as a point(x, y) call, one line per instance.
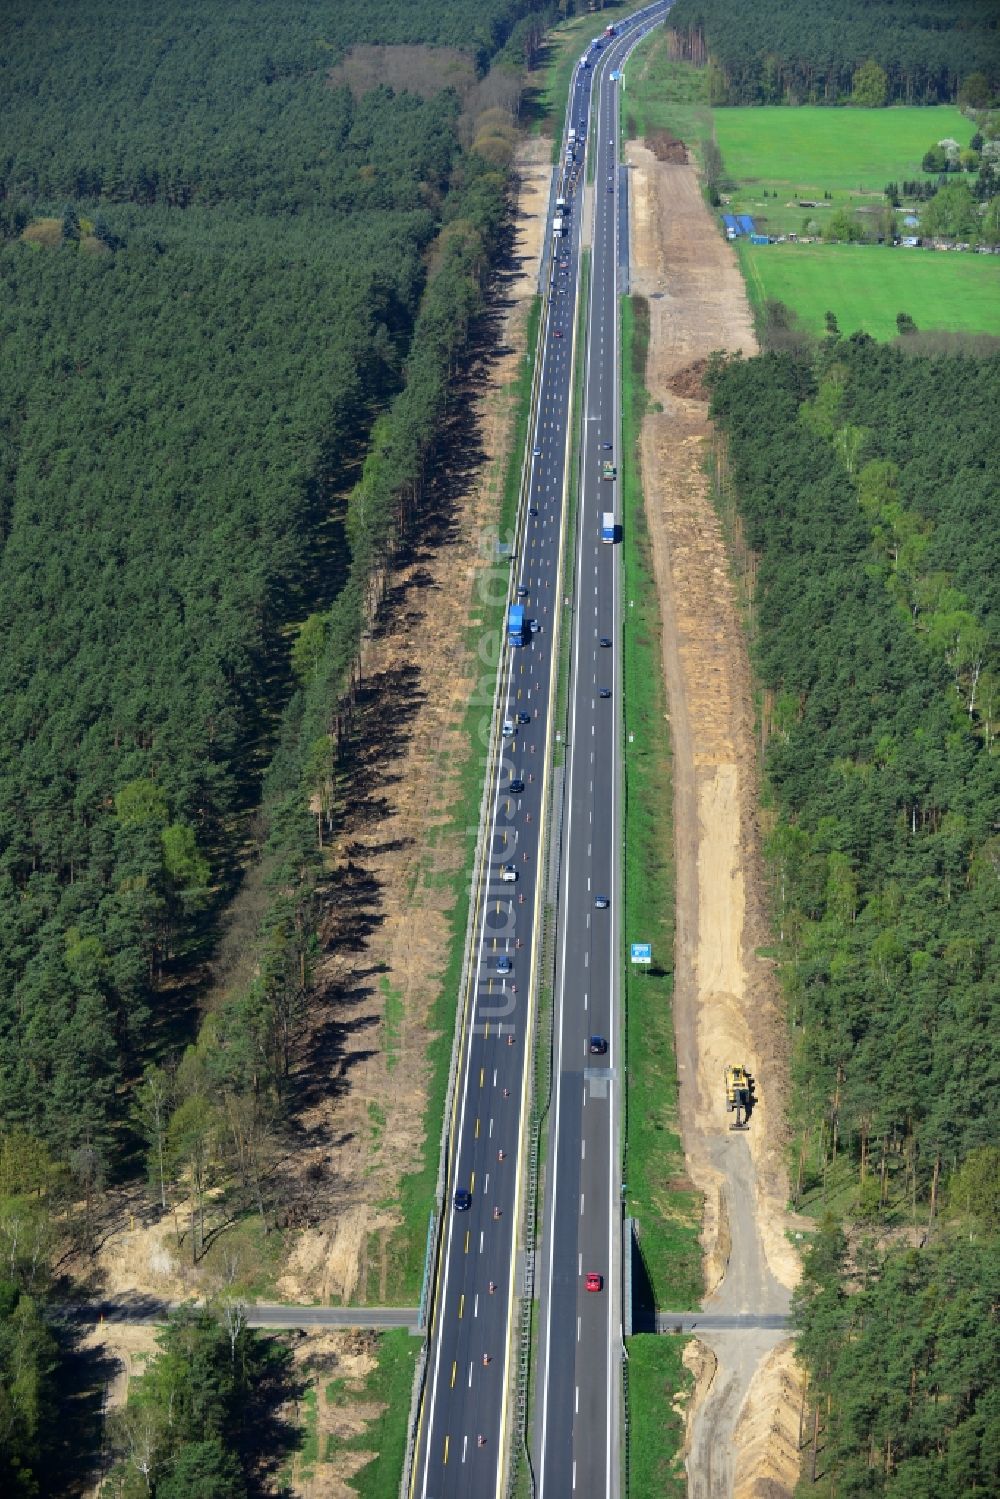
point(743, 1420)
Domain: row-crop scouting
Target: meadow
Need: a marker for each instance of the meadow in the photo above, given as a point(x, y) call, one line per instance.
point(664, 95)
point(866, 285)
point(804, 152)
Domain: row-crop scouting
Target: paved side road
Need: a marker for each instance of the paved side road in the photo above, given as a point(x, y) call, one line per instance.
point(146, 1310)
point(719, 1322)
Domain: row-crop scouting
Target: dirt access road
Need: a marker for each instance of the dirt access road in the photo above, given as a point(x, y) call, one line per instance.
point(743, 1419)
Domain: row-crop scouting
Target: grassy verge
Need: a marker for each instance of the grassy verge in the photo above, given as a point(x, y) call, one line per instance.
point(656, 1429)
point(665, 95)
point(389, 1383)
point(667, 1212)
point(512, 472)
point(408, 1246)
point(388, 1387)
point(865, 286)
point(665, 1209)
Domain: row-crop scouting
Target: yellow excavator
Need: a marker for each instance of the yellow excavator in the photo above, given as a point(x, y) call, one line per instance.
point(739, 1095)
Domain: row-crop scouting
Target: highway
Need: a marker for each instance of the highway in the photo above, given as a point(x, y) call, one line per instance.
point(577, 1437)
point(463, 1423)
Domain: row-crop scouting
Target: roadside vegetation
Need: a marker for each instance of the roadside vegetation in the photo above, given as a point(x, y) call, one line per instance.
point(416, 1194)
point(657, 1194)
point(865, 480)
point(204, 1417)
point(665, 97)
point(657, 1383)
point(667, 1213)
point(353, 1407)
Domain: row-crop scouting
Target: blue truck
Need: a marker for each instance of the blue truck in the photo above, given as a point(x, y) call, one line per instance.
point(515, 624)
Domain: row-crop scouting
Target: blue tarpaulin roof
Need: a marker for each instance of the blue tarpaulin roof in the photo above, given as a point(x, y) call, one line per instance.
point(730, 222)
point(745, 222)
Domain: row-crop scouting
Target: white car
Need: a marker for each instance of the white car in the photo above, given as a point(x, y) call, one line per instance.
point(508, 873)
point(508, 728)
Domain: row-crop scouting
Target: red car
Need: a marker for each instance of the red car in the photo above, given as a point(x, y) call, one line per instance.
point(595, 1282)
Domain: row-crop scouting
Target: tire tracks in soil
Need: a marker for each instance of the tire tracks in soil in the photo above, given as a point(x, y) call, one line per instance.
point(743, 1424)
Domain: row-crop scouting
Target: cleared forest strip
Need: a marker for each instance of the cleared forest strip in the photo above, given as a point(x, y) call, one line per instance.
point(724, 1005)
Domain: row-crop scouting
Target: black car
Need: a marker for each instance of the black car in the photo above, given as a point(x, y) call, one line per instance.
point(463, 1200)
point(532, 509)
point(605, 692)
point(605, 640)
point(598, 1046)
point(516, 787)
point(524, 718)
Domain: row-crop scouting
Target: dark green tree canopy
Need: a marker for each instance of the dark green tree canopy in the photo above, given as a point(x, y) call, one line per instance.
point(818, 51)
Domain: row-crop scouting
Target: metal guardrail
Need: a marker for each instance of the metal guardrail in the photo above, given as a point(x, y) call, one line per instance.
point(480, 876)
point(480, 866)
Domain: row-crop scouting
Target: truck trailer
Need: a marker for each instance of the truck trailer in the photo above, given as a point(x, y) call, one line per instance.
point(608, 526)
point(515, 625)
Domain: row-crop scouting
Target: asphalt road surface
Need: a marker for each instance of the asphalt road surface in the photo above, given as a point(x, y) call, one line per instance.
point(151, 1310)
point(463, 1418)
point(577, 1438)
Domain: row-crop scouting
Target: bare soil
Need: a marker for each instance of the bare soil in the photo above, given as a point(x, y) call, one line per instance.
point(332, 1366)
point(364, 1074)
point(399, 845)
point(726, 1003)
point(666, 147)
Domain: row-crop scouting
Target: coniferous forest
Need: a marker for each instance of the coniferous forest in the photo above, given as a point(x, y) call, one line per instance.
point(195, 356)
point(865, 480)
point(233, 297)
point(772, 52)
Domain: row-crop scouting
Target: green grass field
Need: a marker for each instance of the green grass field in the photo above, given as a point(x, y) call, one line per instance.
point(811, 149)
point(866, 285)
point(776, 159)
